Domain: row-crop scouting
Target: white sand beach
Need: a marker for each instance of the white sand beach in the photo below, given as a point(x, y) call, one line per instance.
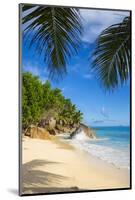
point(52, 166)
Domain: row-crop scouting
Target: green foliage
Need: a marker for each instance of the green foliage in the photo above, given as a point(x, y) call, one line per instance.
point(41, 101)
point(111, 58)
point(32, 95)
point(56, 33)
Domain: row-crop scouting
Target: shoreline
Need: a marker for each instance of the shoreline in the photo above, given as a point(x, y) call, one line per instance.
point(83, 149)
point(54, 165)
point(90, 154)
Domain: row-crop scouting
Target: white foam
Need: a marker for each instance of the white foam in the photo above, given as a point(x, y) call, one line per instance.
point(81, 136)
point(120, 158)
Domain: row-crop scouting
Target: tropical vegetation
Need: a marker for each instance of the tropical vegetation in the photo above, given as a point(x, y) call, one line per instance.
point(42, 101)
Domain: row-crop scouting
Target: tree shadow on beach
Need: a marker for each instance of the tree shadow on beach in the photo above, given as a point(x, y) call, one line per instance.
point(37, 181)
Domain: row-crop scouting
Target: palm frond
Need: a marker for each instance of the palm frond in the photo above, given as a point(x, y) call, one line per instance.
point(111, 58)
point(27, 7)
point(55, 33)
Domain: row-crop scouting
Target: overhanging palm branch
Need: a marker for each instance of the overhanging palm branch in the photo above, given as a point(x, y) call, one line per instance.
point(54, 33)
point(111, 58)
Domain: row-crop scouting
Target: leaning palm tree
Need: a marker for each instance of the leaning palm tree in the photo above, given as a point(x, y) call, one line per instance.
point(54, 33)
point(111, 57)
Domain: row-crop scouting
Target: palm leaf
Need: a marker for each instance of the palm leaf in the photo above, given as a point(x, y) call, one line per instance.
point(55, 34)
point(27, 7)
point(111, 58)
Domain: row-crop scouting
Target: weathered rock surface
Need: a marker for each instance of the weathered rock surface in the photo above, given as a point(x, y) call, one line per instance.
point(42, 123)
point(52, 123)
point(49, 123)
point(47, 128)
point(87, 130)
point(37, 132)
point(54, 127)
point(64, 129)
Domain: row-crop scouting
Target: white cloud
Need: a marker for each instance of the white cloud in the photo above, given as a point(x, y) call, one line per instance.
point(95, 21)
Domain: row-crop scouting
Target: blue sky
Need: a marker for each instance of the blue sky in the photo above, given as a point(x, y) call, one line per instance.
point(100, 108)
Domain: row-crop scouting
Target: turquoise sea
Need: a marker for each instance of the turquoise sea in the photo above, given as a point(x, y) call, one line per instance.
point(112, 145)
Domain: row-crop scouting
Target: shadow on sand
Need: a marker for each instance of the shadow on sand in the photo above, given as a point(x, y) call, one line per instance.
point(37, 181)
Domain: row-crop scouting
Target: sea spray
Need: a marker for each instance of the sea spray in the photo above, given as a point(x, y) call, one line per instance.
point(112, 145)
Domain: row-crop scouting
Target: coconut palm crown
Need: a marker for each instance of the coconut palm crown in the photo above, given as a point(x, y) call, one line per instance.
point(111, 57)
point(54, 33)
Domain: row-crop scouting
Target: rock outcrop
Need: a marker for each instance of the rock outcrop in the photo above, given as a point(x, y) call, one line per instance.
point(64, 129)
point(86, 130)
point(37, 132)
point(47, 123)
point(47, 128)
point(54, 127)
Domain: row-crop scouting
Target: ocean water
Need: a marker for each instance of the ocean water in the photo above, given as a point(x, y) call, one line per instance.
point(112, 145)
